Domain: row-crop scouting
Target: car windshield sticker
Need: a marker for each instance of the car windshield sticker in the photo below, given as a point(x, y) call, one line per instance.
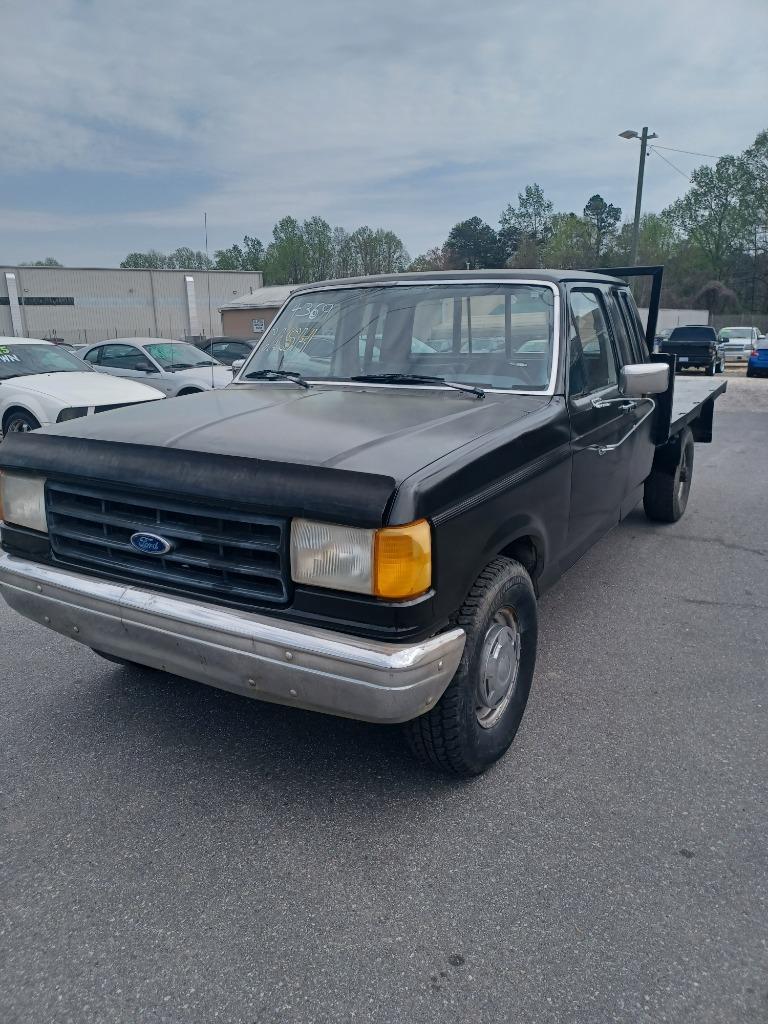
point(306, 320)
point(6, 356)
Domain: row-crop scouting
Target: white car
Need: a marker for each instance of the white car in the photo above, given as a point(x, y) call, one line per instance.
point(738, 343)
point(173, 367)
point(41, 384)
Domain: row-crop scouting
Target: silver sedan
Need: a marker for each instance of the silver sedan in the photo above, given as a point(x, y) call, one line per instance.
point(173, 367)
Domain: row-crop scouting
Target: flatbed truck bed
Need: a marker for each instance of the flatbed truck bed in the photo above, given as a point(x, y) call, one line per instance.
point(693, 404)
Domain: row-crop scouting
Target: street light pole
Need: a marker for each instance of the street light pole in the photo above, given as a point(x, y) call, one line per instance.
point(639, 196)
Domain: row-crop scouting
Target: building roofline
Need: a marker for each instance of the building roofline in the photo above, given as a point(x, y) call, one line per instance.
point(131, 270)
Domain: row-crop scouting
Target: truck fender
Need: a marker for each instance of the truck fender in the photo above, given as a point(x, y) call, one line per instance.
point(524, 537)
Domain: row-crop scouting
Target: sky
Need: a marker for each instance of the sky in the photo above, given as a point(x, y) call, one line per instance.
point(122, 123)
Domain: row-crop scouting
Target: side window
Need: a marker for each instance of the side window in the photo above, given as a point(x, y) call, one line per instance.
point(621, 330)
point(592, 361)
point(121, 357)
point(93, 356)
point(226, 350)
point(634, 327)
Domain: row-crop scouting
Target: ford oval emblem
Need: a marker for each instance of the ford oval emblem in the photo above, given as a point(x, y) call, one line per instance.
point(150, 544)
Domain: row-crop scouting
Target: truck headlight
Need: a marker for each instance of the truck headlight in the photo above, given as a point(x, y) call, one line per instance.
point(394, 562)
point(22, 500)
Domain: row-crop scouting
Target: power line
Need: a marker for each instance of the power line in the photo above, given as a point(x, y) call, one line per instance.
point(690, 152)
point(674, 168)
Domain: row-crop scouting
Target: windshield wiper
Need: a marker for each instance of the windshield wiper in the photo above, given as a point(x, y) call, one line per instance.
point(278, 375)
point(418, 378)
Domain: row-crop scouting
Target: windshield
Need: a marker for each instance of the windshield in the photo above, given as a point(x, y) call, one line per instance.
point(179, 355)
point(736, 332)
point(19, 360)
point(494, 335)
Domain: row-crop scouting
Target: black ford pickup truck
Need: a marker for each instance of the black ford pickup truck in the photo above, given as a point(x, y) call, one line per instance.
point(361, 523)
point(696, 347)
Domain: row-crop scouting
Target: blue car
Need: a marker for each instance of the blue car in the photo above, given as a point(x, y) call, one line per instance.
point(758, 361)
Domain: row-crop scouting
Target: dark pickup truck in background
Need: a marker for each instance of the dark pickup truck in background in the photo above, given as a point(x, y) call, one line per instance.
point(361, 523)
point(695, 347)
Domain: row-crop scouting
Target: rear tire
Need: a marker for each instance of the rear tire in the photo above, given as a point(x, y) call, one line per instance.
point(19, 422)
point(479, 714)
point(666, 491)
point(189, 391)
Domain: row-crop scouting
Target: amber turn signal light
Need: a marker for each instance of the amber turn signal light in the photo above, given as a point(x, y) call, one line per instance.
point(402, 560)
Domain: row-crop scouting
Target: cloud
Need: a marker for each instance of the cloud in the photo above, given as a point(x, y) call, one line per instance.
point(411, 114)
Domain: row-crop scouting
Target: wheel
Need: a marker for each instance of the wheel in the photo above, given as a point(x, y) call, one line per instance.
point(477, 717)
point(710, 370)
point(721, 366)
point(19, 422)
point(751, 373)
point(666, 491)
point(189, 391)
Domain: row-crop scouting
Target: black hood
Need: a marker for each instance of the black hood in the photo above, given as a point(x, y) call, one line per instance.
point(309, 450)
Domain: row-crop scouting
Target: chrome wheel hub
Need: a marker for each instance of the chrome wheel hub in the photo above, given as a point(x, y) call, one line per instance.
point(498, 669)
point(18, 427)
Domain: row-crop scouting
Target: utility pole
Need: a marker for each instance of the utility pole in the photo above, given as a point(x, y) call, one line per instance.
point(644, 137)
point(639, 196)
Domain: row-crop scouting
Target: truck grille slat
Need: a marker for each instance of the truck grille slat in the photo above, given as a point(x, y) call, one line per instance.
point(234, 557)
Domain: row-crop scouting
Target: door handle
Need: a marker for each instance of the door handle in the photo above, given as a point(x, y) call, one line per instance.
point(624, 404)
point(603, 449)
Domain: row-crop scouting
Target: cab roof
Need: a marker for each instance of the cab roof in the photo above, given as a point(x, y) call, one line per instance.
point(448, 276)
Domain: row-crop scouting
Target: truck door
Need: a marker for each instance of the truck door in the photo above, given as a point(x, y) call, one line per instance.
point(598, 479)
point(633, 349)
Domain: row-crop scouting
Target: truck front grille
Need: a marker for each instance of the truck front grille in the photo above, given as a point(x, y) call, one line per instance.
point(229, 556)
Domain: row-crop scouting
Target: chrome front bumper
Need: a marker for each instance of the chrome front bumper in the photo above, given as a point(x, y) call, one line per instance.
point(239, 651)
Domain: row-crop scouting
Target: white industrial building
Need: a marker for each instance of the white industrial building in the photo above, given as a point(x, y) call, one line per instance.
point(669, 318)
point(81, 305)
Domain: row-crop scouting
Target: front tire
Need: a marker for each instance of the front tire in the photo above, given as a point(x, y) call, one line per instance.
point(665, 495)
point(710, 370)
point(19, 422)
point(479, 714)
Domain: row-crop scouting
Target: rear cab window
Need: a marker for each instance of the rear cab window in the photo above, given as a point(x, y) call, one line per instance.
point(694, 333)
point(634, 326)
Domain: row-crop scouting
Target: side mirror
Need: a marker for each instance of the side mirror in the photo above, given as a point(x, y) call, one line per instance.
point(143, 366)
point(237, 364)
point(640, 379)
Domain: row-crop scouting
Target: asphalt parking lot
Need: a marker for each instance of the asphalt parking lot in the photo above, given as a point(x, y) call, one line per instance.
point(172, 853)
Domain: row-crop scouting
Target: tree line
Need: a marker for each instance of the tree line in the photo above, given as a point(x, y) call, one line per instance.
point(713, 241)
point(298, 252)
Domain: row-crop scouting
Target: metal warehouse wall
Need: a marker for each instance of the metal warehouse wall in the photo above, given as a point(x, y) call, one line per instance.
point(89, 305)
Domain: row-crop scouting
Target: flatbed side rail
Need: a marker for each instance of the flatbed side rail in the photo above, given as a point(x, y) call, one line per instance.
point(694, 406)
